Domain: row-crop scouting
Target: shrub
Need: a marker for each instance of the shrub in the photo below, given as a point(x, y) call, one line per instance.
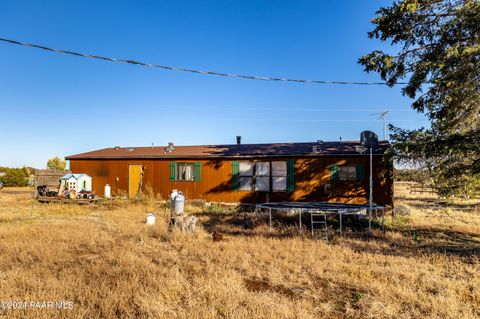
point(15, 177)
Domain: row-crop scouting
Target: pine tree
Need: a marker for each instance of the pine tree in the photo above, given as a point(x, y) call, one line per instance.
point(439, 56)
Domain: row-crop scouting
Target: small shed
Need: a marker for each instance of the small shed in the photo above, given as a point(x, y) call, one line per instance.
point(77, 182)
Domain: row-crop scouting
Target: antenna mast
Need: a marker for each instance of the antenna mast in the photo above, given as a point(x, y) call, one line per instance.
point(383, 116)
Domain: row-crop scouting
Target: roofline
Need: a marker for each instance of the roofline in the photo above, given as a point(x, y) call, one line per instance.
point(215, 156)
point(234, 144)
point(212, 156)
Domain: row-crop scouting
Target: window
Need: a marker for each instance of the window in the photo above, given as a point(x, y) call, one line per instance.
point(246, 176)
point(185, 172)
point(262, 173)
point(279, 176)
point(348, 173)
point(276, 176)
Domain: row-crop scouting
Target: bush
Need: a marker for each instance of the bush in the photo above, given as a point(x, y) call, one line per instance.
point(15, 177)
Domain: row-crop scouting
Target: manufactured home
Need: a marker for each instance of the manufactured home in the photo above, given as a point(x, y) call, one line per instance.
point(244, 173)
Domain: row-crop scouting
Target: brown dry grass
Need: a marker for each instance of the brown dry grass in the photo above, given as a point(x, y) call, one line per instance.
point(111, 265)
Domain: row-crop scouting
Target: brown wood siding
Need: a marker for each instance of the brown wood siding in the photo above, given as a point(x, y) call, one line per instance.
point(310, 175)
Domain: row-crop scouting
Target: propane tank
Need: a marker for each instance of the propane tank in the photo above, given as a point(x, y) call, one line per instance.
point(106, 191)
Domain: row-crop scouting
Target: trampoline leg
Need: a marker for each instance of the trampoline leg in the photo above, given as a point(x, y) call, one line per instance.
point(370, 219)
point(270, 218)
point(340, 216)
point(311, 222)
point(300, 219)
point(383, 220)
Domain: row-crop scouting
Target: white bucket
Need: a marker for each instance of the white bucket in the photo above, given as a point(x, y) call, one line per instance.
point(106, 191)
point(150, 219)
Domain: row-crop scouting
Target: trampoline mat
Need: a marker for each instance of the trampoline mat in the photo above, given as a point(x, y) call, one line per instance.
point(315, 205)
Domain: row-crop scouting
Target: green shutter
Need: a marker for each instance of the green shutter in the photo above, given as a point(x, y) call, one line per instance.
point(197, 174)
point(290, 176)
point(334, 172)
point(235, 177)
point(360, 172)
point(173, 171)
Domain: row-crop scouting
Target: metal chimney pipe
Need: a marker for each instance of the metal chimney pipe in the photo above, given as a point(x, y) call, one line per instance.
point(239, 140)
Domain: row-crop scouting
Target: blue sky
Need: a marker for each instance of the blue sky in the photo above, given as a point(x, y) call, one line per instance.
point(53, 104)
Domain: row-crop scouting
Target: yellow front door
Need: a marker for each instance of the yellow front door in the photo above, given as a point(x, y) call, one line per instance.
point(134, 180)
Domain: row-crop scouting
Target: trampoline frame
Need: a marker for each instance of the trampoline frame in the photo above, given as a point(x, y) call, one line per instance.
point(322, 208)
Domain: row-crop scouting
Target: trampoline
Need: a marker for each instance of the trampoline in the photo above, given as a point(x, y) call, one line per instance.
point(321, 209)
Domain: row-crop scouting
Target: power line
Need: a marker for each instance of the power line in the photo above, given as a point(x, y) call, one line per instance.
point(279, 109)
point(318, 120)
point(249, 77)
point(250, 108)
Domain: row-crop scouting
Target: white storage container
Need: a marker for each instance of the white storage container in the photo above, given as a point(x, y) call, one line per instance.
point(151, 219)
point(106, 191)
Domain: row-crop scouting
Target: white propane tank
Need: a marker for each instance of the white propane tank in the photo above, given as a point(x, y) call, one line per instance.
point(150, 219)
point(106, 191)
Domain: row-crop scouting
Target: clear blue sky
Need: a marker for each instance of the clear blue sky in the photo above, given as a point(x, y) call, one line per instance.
point(52, 104)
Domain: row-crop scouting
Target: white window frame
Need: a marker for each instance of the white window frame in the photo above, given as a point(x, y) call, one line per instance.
point(245, 176)
point(279, 175)
point(178, 173)
point(262, 175)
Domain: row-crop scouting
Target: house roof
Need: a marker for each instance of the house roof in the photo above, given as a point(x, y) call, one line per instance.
point(232, 151)
point(76, 176)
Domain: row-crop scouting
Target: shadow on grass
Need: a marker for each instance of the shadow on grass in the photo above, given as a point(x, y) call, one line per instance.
point(423, 202)
point(411, 242)
point(249, 224)
point(414, 241)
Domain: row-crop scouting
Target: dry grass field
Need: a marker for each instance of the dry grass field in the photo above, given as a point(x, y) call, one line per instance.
point(109, 264)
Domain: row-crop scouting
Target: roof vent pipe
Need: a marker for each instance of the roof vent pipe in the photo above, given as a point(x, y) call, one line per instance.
point(239, 139)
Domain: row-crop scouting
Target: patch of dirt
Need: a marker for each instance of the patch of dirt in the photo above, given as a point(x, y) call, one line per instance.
point(216, 236)
point(341, 294)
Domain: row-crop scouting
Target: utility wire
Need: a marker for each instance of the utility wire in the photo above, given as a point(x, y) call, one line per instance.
point(249, 77)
